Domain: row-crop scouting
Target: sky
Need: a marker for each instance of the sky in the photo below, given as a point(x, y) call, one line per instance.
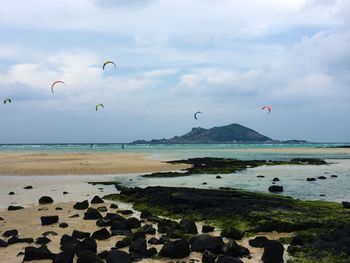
point(225, 58)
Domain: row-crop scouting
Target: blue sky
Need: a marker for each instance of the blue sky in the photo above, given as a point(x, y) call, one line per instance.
point(225, 58)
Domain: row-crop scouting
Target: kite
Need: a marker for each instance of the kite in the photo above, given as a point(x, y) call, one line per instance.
point(56, 82)
point(195, 115)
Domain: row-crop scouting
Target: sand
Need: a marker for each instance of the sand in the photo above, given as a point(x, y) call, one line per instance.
point(80, 164)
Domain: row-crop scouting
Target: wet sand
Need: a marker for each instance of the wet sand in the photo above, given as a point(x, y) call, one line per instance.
point(80, 164)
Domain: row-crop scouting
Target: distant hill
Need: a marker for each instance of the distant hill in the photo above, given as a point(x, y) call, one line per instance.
point(224, 134)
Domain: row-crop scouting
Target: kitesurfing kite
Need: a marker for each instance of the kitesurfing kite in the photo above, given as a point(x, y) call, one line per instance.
point(268, 108)
point(195, 115)
point(108, 62)
point(57, 82)
point(7, 101)
point(99, 105)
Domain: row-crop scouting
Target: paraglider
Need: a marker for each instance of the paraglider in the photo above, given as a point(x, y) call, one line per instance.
point(7, 101)
point(108, 62)
point(268, 108)
point(195, 115)
point(99, 106)
point(56, 82)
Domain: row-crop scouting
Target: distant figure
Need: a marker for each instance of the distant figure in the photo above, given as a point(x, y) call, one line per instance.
point(123, 146)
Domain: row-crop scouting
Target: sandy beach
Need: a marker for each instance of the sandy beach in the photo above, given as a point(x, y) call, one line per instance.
point(80, 164)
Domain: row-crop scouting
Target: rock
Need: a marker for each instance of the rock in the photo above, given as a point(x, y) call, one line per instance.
point(103, 254)
point(81, 205)
point(42, 240)
point(69, 244)
point(188, 226)
point(147, 229)
point(1, 218)
point(101, 234)
point(153, 241)
point(80, 235)
point(65, 193)
point(102, 209)
point(11, 193)
point(58, 208)
point(322, 177)
point(49, 233)
point(48, 220)
point(218, 177)
point(33, 253)
point(322, 195)
point(208, 257)
point(261, 176)
point(10, 233)
point(126, 212)
point(14, 208)
point(28, 187)
point(123, 243)
point(63, 225)
point(204, 183)
point(346, 205)
point(88, 256)
point(273, 252)
point(276, 189)
point(87, 244)
point(276, 179)
point(3, 243)
point(175, 249)
point(258, 241)
point(234, 250)
point(64, 257)
point(133, 222)
point(119, 225)
point(136, 256)
point(232, 232)
point(138, 246)
point(165, 225)
point(74, 216)
point(151, 252)
point(113, 206)
point(203, 242)
point(207, 228)
point(310, 179)
point(163, 239)
point(117, 256)
point(138, 235)
point(97, 200)
point(92, 214)
point(145, 214)
point(228, 259)
point(127, 233)
point(154, 219)
point(15, 240)
point(45, 200)
point(334, 176)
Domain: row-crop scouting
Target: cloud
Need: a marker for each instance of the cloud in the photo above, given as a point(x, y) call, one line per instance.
point(124, 3)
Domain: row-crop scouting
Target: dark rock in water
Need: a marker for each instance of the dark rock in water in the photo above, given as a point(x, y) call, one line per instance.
point(208, 257)
point(63, 225)
point(311, 179)
point(11, 193)
point(10, 233)
point(3, 243)
point(88, 256)
point(101, 234)
point(273, 252)
point(81, 205)
point(145, 214)
point(202, 242)
point(138, 246)
point(80, 235)
point(229, 259)
point(147, 229)
point(175, 249)
point(165, 225)
point(74, 216)
point(28, 187)
point(48, 220)
point(207, 228)
point(133, 222)
point(276, 189)
point(33, 253)
point(232, 232)
point(14, 208)
point(322, 177)
point(258, 241)
point(92, 214)
point(49, 233)
point(97, 200)
point(218, 177)
point(117, 256)
point(64, 257)
point(58, 208)
point(153, 241)
point(45, 200)
point(15, 240)
point(126, 212)
point(42, 240)
point(234, 250)
point(334, 176)
point(346, 205)
point(123, 243)
point(261, 176)
point(102, 209)
point(188, 226)
point(204, 183)
point(103, 254)
point(65, 193)
point(276, 179)
point(151, 252)
point(113, 206)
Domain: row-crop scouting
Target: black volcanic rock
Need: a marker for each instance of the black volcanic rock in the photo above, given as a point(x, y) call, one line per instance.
point(275, 189)
point(117, 256)
point(81, 205)
point(273, 252)
point(202, 242)
point(48, 220)
point(45, 200)
point(14, 208)
point(10, 233)
point(97, 200)
point(175, 249)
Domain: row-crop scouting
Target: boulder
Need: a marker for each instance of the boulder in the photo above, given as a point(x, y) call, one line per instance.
point(147, 229)
point(260, 176)
point(3, 243)
point(207, 228)
point(165, 225)
point(45, 200)
point(14, 208)
point(163, 239)
point(273, 252)
point(119, 225)
point(232, 249)
point(228, 259)
point(10, 233)
point(101, 234)
point(33, 253)
point(322, 177)
point(63, 225)
point(175, 249)
point(276, 189)
point(64, 257)
point(258, 241)
point(153, 241)
point(42, 240)
point(145, 214)
point(80, 235)
point(133, 222)
point(113, 206)
point(208, 257)
point(204, 183)
point(81, 205)
point(87, 244)
point(310, 179)
point(11, 193)
point(65, 193)
point(334, 176)
point(151, 252)
point(218, 177)
point(69, 244)
point(97, 200)
point(88, 256)
point(28, 187)
point(138, 246)
point(15, 240)
point(48, 220)
point(188, 226)
point(232, 232)
point(123, 243)
point(203, 242)
point(117, 256)
point(276, 179)
point(92, 214)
